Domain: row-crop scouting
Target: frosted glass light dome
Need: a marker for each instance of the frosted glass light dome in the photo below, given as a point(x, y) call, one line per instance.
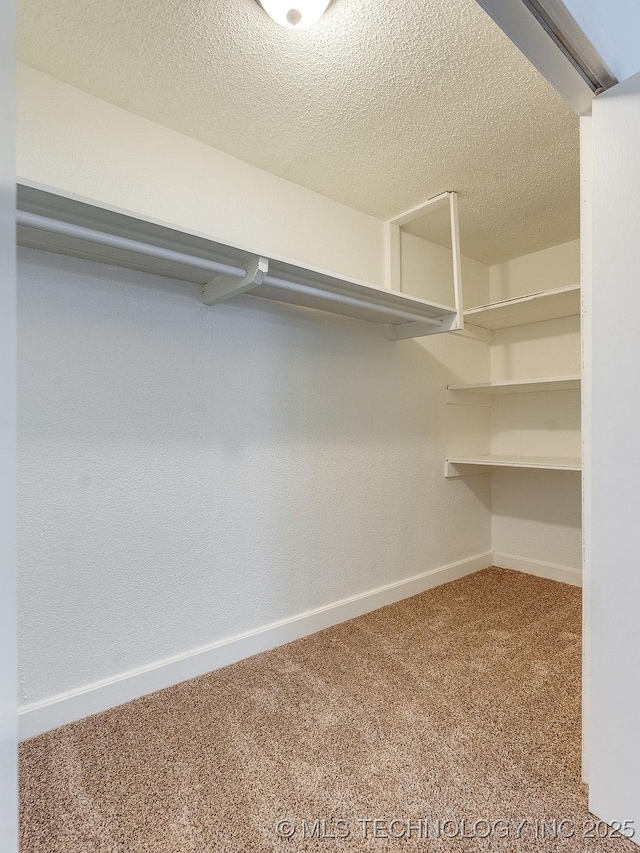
point(295, 14)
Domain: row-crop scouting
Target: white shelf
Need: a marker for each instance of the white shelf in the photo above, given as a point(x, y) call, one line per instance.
point(519, 386)
point(57, 222)
point(534, 308)
point(459, 466)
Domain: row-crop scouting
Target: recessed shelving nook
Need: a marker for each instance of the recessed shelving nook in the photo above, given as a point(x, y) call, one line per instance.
point(535, 405)
point(552, 421)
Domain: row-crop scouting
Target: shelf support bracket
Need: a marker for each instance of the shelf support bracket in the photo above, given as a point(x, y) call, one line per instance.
point(223, 287)
point(459, 469)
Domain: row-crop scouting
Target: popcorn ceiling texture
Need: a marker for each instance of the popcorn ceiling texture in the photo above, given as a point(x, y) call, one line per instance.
point(462, 702)
point(380, 106)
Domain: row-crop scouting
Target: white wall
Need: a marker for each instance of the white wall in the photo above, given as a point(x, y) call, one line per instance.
point(557, 266)
point(8, 686)
point(613, 458)
point(614, 30)
point(537, 515)
point(427, 268)
point(190, 474)
point(586, 244)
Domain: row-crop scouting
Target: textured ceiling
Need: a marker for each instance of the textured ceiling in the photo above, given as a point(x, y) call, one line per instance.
point(381, 105)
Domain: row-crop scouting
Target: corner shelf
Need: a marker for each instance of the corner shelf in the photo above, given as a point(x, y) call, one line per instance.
point(460, 466)
point(57, 222)
point(519, 386)
point(533, 308)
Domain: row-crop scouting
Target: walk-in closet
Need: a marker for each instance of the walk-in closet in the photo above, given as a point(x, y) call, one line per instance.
point(319, 532)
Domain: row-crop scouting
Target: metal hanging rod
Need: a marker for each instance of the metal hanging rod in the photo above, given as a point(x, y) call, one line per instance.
point(114, 241)
point(254, 277)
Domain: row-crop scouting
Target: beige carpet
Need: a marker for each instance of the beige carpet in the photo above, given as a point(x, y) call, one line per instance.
point(462, 703)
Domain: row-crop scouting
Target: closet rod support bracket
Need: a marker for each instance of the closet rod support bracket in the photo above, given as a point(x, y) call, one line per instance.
point(224, 287)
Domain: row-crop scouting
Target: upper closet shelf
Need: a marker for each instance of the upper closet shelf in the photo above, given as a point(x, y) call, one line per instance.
point(54, 221)
point(519, 386)
point(534, 308)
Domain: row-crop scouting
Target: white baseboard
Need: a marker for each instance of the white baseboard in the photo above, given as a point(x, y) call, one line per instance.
point(38, 717)
point(551, 571)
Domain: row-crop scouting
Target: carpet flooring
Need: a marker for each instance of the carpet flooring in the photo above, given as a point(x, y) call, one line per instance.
point(451, 718)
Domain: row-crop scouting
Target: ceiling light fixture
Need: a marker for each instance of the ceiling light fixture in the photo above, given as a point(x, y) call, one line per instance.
point(295, 14)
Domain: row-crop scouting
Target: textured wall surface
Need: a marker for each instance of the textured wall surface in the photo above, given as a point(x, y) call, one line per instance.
point(380, 106)
point(187, 473)
point(8, 687)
